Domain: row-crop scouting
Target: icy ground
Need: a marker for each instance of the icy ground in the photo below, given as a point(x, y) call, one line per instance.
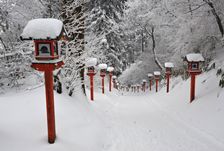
point(118, 121)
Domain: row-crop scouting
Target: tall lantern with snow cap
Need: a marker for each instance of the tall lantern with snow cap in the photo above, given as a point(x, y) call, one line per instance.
point(46, 33)
point(193, 60)
point(157, 77)
point(114, 78)
point(150, 76)
point(110, 70)
point(168, 66)
point(90, 64)
point(143, 85)
point(103, 68)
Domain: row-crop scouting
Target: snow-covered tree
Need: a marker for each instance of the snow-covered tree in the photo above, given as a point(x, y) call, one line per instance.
point(73, 16)
point(104, 35)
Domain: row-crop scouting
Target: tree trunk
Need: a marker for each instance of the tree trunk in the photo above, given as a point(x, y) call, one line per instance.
point(153, 49)
point(218, 19)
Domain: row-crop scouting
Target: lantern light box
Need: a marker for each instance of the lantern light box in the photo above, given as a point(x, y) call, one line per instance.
point(150, 75)
point(157, 74)
point(46, 32)
point(193, 61)
point(103, 68)
point(168, 66)
point(90, 64)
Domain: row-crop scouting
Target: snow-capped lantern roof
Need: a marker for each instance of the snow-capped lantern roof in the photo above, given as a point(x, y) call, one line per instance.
point(157, 73)
point(169, 65)
point(194, 57)
point(91, 62)
point(102, 66)
point(143, 80)
point(110, 69)
point(42, 29)
point(104, 41)
point(114, 77)
point(150, 75)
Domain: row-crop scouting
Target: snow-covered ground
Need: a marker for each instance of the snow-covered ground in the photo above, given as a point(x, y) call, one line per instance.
point(118, 121)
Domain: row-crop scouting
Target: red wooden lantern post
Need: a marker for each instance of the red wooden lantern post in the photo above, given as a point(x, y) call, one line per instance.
point(150, 81)
point(157, 77)
point(193, 60)
point(138, 87)
point(102, 68)
point(168, 66)
point(114, 78)
point(46, 33)
point(91, 63)
point(110, 70)
point(143, 85)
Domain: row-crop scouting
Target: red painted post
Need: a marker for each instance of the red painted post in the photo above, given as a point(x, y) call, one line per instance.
point(91, 87)
point(156, 85)
point(192, 94)
point(167, 82)
point(50, 106)
point(110, 81)
point(103, 84)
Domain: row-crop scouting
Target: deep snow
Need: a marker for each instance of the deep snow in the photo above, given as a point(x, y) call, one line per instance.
point(118, 121)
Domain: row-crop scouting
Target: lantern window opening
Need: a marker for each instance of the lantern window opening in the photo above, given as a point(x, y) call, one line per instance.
point(194, 66)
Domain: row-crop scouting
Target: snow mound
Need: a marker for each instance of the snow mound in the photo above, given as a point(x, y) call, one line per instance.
point(102, 66)
point(143, 80)
point(114, 77)
point(43, 28)
point(110, 69)
point(194, 57)
point(150, 75)
point(91, 62)
point(157, 73)
point(169, 65)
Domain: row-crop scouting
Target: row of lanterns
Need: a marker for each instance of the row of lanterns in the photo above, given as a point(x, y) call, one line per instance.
point(46, 34)
point(91, 72)
point(193, 68)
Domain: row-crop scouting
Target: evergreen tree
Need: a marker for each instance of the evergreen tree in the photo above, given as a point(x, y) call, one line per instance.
point(73, 16)
point(104, 33)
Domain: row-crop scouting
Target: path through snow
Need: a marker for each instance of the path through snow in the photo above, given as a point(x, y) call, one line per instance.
point(140, 123)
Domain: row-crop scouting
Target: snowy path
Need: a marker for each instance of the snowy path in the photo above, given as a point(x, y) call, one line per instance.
point(139, 123)
point(112, 122)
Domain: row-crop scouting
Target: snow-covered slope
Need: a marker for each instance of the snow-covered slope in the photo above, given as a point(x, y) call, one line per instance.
point(119, 121)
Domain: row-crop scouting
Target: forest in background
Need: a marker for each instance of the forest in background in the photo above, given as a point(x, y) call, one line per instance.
point(136, 34)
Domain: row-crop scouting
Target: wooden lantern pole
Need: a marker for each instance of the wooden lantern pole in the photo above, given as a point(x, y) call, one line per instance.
point(157, 85)
point(150, 84)
point(91, 74)
point(91, 88)
point(102, 74)
point(110, 81)
point(192, 90)
point(48, 75)
point(50, 106)
point(167, 82)
point(103, 84)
